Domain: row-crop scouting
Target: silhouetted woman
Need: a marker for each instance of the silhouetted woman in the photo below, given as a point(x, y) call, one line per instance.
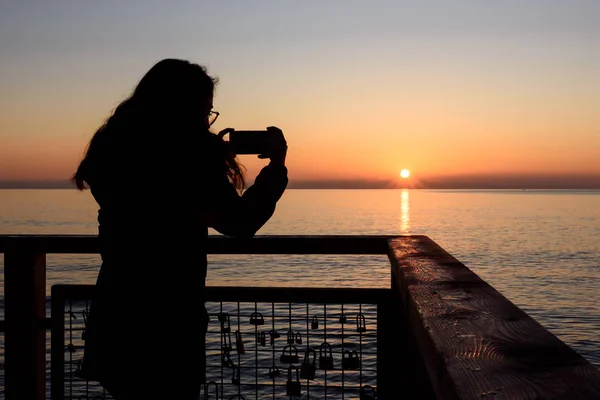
point(161, 178)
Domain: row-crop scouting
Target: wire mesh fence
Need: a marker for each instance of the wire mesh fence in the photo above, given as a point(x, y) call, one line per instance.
point(274, 347)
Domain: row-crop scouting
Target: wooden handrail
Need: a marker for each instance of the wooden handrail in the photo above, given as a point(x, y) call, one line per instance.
point(218, 244)
point(475, 342)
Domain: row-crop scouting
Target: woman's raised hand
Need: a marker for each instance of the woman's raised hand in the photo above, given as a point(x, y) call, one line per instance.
point(276, 146)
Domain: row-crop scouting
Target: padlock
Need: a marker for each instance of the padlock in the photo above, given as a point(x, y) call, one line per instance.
point(308, 367)
point(361, 325)
point(274, 372)
point(291, 356)
point(346, 359)
point(350, 360)
point(207, 390)
point(298, 338)
point(292, 387)
point(261, 338)
point(225, 325)
point(256, 318)
point(71, 348)
point(290, 337)
point(325, 356)
point(235, 377)
point(239, 343)
point(343, 318)
point(273, 334)
point(315, 323)
point(226, 360)
point(368, 392)
point(226, 340)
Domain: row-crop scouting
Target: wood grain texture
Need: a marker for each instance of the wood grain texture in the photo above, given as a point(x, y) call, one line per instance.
point(476, 343)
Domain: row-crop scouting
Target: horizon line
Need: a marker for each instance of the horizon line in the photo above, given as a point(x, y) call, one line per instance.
point(461, 182)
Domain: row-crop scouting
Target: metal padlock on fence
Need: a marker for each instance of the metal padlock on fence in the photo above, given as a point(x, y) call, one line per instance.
point(207, 390)
point(261, 338)
point(343, 318)
point(315, 323)
point(274, 372)
point(368, 392)
point(298, 338)
point(289, 357)
point(361, 324)
point(257, 318)
point(235, 376)
point(226, 340)
point(290, 337)
point(308, 367)
point(226, 360)
point(292, 387)
point(325, 356)
point(224, 320)
point(350, 360)
point(273, 334)
point(239, 343)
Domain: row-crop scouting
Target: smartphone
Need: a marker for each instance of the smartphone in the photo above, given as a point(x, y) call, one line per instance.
point(249, 142)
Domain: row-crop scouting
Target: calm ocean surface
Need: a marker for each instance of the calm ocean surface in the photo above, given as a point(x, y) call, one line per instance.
point(541, 249)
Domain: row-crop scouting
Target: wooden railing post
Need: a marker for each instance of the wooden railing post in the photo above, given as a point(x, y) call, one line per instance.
point(400, 369)
point(25, 336)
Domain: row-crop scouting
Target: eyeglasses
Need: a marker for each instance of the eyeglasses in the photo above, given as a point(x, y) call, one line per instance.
point(212, 117)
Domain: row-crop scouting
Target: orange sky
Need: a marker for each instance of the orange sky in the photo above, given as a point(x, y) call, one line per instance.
point(454, 97)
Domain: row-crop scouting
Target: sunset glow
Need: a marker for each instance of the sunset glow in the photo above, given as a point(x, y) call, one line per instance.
point(452, 91)
point(404, 173)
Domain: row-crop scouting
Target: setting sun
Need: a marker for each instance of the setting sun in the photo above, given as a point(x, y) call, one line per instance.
point(405, 173)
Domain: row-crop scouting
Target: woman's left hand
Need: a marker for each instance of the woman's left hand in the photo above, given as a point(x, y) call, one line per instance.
point(276, 146)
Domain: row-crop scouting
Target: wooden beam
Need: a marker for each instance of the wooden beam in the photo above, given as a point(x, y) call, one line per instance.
point(476, 344)
point(218, 244)
point(259, 294)
point(25, 312)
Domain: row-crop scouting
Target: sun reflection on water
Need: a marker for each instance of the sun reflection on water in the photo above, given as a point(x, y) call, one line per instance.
point(404, 211)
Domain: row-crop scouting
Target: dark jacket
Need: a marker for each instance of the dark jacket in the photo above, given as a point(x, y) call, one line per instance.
point(148, 309)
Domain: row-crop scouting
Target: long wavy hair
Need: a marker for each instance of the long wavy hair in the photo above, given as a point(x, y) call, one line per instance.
point(165, 103)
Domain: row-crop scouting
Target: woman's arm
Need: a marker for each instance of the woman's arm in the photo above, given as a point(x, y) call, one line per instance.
point(243, 215)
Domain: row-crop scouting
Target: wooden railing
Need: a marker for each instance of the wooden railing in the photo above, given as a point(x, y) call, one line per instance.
point(458, 337)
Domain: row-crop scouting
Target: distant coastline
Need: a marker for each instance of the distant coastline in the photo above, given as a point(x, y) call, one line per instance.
point(463, 182)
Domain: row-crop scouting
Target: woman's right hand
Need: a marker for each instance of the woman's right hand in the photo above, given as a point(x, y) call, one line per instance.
point(276, 147)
